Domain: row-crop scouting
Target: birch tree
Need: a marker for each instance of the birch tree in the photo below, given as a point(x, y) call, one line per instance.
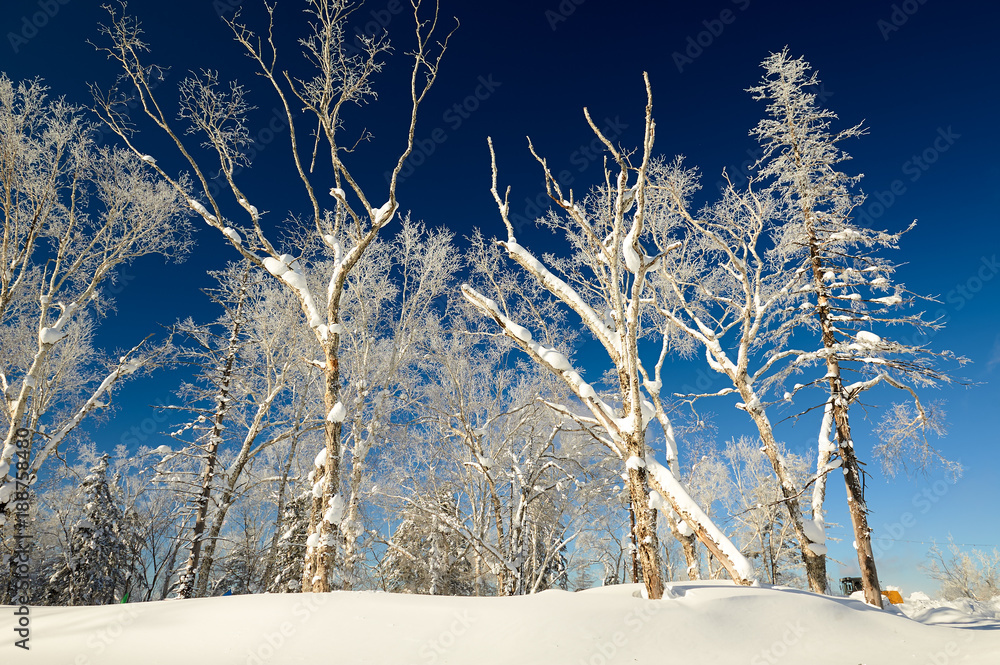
point(604, 283)
point(964, 574)
point(395, 299)
point(72, 214)
point(156, 514)
point(757, 503)
point(342, 76)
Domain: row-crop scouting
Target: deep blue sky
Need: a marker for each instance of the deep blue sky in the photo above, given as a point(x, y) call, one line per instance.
point(912, 71)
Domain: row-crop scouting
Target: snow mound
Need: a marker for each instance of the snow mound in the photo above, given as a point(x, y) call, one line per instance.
point(962, 612)
point(696, 622)
point(866, 338)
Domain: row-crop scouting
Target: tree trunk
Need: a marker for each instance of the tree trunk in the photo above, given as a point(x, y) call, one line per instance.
point(504, 587)
point(188, 577)
point(845, 445)
point(320, 558)
point(689, 545)
point(634, 445)
point(352, 514)
point(20, 524)
point(645, 532)
point(226, 502)
point(208, 555)
point(858, 509)
point(187, 581)
point(168, 571)
point(701, 531)
point(635, 544)
point(815, 564)
point(688, 542)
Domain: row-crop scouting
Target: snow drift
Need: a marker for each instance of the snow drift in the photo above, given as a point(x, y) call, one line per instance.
point(696, 622)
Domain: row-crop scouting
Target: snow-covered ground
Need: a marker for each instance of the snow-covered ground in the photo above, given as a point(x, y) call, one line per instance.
point(960, 613)
point(702, 622)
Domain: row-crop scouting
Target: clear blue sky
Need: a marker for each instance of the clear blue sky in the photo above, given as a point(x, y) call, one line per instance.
point(921, 75)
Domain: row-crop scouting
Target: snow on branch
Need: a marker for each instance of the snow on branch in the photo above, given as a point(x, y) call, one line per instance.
point(48, 336)
point(551, 359)
point(567, 294)
point(671, 491)
point(289, 270)
point(127, 365)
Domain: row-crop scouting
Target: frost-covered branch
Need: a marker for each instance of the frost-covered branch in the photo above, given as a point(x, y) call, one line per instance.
point(338, 76)
point(608, 269)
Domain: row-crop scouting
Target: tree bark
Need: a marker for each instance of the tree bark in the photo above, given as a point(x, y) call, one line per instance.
point(645, 533)
point(188, 582)
point(845, 445)
point(635, 544)
point(320, 559)
point(859, 515)
point(689, 546)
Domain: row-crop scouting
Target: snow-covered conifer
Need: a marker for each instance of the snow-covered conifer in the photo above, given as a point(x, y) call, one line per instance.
point(285, 573)
point(98, 568)
point(426, 556)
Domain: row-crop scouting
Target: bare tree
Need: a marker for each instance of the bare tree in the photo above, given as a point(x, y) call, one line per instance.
point(219, 116)
point(842, 278)
point(757, 504)
point(394, 300)
point(606, 280)
point(221, 380)
point(156, 513)
point(964, 574)
point(254, 389)
point(729, 294)
point(486, 437)
point(903, 444)
point(72, 214)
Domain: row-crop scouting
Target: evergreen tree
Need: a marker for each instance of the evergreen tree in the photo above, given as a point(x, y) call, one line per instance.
point(426, 556)
point(291, 546)
point(98, 571)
